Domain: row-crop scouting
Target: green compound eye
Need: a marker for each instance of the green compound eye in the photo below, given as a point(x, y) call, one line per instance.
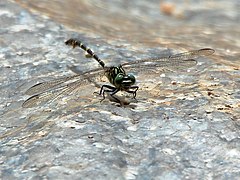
point(118, 79)
point(132, 78)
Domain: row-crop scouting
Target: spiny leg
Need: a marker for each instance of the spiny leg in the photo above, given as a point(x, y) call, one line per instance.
point(112, 90)
point(134, 92)
point(75, 42)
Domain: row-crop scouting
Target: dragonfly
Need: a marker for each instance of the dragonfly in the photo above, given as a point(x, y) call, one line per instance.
point(119, 79)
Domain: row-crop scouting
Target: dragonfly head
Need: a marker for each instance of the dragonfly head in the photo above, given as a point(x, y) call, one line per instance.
point(124, 81)
point(118, 77)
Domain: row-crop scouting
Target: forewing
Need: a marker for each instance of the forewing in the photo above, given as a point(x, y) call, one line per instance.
point(59, 88)
point(178, 61)
point(45, 86)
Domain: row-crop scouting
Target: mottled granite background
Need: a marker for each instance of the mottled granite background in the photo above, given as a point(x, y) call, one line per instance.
point(185, 124)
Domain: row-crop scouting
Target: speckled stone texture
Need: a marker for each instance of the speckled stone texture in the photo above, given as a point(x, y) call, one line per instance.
point(184, 125)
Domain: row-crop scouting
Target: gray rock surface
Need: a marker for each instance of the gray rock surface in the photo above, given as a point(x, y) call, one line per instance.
point(185, 125)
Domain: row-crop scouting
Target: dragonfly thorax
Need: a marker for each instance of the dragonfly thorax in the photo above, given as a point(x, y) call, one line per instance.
point(118, 77)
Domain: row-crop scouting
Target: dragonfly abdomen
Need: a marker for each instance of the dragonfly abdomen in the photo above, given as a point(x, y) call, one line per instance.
point(75, 42)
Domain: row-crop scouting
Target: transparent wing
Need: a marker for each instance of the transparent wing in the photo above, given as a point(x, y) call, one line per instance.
point(44, 86)
point(163, 66)
point(51, 95)
point(52, 90)
point(181, 60)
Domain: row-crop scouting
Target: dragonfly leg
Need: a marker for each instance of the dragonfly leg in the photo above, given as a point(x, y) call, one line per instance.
point(112, 90)
point(134, 91)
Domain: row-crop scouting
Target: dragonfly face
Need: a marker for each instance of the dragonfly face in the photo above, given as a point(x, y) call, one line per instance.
point(118, 77)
